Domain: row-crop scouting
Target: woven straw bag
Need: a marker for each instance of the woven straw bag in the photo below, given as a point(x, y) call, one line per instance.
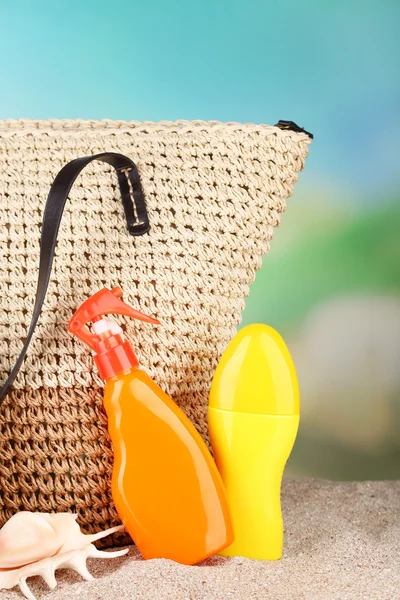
point(214, 193)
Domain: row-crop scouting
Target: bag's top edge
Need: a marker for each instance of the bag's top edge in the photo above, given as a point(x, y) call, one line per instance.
point(59, 126)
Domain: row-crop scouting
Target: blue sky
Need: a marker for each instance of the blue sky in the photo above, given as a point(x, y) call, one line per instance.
point(330, 66)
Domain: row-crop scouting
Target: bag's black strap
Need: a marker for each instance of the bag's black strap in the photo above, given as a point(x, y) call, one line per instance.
point(136, 217)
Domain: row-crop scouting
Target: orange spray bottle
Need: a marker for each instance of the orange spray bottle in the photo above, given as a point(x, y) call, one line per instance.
point(165, 484)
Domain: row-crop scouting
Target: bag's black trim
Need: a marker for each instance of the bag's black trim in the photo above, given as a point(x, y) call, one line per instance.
point(293, 127)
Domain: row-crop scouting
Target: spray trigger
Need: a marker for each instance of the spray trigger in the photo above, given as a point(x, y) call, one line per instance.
point(112, 353)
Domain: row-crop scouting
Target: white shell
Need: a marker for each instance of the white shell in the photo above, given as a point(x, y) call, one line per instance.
point(40, 543)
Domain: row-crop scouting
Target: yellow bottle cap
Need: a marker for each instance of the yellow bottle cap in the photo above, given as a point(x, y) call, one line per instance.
point(256, 374)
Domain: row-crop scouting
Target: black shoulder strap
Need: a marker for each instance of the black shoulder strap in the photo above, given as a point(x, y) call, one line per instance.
point(136, 217)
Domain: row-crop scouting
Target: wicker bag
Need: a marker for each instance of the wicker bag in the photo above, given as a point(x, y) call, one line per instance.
point(214, 193)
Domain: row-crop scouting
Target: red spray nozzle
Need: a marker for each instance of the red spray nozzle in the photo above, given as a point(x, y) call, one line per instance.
point(113, 354)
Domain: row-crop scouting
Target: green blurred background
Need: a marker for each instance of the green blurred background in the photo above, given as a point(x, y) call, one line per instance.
point(331, 283)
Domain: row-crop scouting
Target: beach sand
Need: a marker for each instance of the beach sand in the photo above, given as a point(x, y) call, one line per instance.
point(342, 542)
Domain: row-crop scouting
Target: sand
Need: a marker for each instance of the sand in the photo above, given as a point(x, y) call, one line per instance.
point(342, 543)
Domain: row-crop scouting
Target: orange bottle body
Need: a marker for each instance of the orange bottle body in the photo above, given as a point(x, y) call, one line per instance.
point(165, 485)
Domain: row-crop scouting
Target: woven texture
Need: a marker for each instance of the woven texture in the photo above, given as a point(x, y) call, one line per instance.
point(214, 194)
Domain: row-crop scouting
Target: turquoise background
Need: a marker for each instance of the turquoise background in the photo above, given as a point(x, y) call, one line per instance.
point(332, 67)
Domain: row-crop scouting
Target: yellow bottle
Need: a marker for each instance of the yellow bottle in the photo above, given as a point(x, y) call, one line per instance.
point(253, 419)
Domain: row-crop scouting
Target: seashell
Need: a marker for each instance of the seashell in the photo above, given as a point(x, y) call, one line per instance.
point(40, 543)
